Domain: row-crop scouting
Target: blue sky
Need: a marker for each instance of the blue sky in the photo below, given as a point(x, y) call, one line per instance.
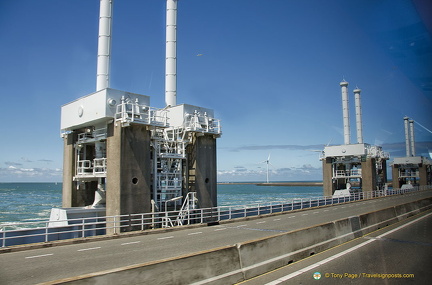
point(269, 68)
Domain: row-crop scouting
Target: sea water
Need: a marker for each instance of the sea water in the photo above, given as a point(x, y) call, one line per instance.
point(245, 194)
point(25, 202)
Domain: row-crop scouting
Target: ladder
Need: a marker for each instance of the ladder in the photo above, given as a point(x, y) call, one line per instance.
point(188, 204)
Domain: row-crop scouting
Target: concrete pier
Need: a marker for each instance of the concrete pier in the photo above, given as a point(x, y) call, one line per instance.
point(128, 165)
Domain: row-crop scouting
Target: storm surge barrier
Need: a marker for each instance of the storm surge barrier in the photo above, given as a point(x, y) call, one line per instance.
point(46, 231)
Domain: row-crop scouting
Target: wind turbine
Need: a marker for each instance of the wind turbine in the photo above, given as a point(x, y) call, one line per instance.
point(267, 162)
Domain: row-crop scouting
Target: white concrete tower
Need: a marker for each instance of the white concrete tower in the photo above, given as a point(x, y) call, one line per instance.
point(345, 111)
point(171, 54)
point(104, 44)
point(412, 143)
point(407, 137)
point(358, 111)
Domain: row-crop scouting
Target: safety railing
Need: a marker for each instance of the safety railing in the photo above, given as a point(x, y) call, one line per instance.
point(40, 231)
point(408, 174)
point(86, 168)
point(92, 135)
point(202, 123)
point(133, 112)
point(348, 173)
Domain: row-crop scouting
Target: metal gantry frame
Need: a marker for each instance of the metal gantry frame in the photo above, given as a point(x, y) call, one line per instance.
point(169, 156)
point(90, 154)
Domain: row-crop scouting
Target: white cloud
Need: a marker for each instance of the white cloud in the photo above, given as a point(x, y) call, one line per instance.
point(20, 174)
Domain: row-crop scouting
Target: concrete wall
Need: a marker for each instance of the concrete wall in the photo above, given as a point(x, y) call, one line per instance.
point(128, 171)
point(202, 155)
point(69, 199)
point(232, 264)
point(369, 182)
point(425, 175)
point(327, 177)
point(395, 176)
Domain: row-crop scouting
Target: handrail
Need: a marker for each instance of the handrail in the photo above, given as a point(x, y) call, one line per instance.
point(85, 227)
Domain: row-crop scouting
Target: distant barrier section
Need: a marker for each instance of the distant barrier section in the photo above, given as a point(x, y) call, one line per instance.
point(42, 231)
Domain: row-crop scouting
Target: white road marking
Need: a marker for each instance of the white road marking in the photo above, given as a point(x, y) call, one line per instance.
point(261, 222)
point(241, 226)
point(316, 212)
point(222, 229)
point(90, 248)
point(322, 262)
point(196, 233)
point(326, 210)
point(291, 217)
point(165, 237)
point(42, 255)
point(305, 214)
point(276, 219)
point(132, 242)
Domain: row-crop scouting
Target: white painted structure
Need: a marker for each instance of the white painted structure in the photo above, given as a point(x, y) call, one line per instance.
point(412, 141)
point(358, 111)
point(99, 108)
point(345, 111)
point(104, 44)
point(407, 136)
point(171, 54)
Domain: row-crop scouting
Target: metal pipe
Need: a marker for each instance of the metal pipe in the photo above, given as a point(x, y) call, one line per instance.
point(345, 111)
point(407, 137)
point(171, 54)
point(358, 110)
point(104, 44)
point(412, 143)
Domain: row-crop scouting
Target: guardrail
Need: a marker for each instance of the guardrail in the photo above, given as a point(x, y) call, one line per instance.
point(40, 231)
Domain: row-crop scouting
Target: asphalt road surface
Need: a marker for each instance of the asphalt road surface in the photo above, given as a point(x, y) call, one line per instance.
point(398, 254)
point(47, 264)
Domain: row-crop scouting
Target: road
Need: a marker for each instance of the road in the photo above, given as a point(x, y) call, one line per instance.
point(46, 264)
point(398, 254)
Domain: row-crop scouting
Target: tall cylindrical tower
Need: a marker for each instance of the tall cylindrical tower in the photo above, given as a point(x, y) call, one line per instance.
point(171, 54)
point(104, 44)
point(407, 137)
point(412, 143)
point(345, 111)
point(358, 111)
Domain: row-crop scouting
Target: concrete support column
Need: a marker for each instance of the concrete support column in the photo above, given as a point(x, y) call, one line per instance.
point(205, 171)
point(395, 177)
point(328, 186)
point(368, 174)
point(128, 172)
point(68, 189)
point(384, 170)
point(424, 175)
